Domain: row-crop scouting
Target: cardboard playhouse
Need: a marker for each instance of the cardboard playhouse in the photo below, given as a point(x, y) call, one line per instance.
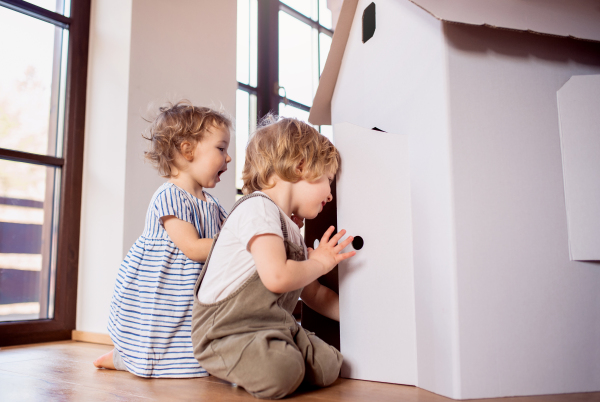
point(470, 139)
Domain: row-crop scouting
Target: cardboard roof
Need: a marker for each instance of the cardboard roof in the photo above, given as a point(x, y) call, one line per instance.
point(578, 19)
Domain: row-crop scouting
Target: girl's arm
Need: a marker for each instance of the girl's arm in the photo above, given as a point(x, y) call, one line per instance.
point(186, 238)
point(281, 275)
point(322, 299)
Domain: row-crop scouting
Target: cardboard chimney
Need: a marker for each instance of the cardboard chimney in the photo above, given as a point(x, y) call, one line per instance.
point(478, 197)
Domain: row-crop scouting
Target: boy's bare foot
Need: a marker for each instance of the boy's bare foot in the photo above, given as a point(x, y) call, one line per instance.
point(105, 361)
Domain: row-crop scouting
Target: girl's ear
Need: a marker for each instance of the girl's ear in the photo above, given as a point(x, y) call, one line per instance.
point(300, 167)
point(187, 150)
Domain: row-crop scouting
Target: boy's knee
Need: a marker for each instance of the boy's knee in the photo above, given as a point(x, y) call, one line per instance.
point(279, 375)
point(327, 364)
point(280, 381)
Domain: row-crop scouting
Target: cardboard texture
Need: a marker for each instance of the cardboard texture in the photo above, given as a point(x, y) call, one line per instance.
point(578, 102)
point(570, 18)
point(500, 308)
point(376, 286)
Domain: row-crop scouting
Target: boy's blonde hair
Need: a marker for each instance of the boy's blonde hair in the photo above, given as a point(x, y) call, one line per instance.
point(176, 123)
point(280, 146)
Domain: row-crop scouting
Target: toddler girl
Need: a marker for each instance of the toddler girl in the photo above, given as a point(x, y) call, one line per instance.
point(150, 312)
point(243, 330)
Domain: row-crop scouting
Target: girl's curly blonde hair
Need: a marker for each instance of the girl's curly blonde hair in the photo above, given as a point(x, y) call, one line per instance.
point(280, 146)
point(175, 124)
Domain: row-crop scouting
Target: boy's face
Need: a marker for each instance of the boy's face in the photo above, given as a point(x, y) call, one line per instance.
point(211, 157)
point(311, 196)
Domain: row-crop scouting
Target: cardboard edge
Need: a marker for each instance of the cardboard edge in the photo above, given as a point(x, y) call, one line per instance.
point(562, 161)
point(320, 112)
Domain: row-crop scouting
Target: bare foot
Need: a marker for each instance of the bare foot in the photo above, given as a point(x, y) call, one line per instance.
point(105, 361)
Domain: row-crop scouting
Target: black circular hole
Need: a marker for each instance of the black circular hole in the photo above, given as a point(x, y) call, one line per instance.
point(358, 242)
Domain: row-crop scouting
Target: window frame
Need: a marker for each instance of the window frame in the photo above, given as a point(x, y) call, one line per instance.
point(267, 88)
point(60, 327)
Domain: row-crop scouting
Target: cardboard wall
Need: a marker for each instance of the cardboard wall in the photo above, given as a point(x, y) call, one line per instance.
point(397, 82)
point(142, 53)
point(528, 316)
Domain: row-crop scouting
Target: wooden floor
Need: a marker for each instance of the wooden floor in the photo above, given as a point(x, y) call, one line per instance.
point(63, 371)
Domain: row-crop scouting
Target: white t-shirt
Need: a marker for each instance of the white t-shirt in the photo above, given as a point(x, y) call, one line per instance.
point(231, 264)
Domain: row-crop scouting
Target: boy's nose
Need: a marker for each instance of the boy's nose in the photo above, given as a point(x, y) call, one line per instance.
point(228, 159)
point(329, 197)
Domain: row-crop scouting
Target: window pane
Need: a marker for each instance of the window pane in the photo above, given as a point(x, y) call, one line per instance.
point(58, 6)
point(306, 7)
point(245, 122)
point(325, 17)
point(247, 43)
point(298, 59)
point(28, 231)
point(30, 83)
point(324, 46)
point(254, 43)
point(327, 131)
point(290, 111)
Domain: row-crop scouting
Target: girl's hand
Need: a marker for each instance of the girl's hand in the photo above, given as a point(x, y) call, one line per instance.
point(328, 251)
point(298, 221)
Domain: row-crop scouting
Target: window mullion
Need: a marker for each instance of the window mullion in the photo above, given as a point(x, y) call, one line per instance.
point(268, 56)
point(37, 12)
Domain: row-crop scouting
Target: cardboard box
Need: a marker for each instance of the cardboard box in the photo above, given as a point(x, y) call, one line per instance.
point(500, 309)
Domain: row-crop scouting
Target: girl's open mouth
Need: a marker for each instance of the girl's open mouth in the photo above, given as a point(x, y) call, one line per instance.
point(221, 172)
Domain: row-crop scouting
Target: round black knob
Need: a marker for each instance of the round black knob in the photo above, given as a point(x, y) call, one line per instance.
point(358, 242)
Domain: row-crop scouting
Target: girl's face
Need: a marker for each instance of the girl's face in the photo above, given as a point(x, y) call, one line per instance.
point(210, 157)
point(311, 196)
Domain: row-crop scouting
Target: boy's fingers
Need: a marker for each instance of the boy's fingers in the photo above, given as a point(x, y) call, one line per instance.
point(345, 256)
point(326, 235)
point(338, 236)
point(343, 244)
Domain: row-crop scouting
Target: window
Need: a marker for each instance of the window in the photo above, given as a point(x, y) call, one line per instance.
point(42, 106)
point(281, 51)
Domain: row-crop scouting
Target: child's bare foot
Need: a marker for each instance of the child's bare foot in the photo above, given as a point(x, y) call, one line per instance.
point(105, 361)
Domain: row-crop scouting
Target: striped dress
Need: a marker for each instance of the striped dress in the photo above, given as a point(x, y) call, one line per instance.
point(151, 308)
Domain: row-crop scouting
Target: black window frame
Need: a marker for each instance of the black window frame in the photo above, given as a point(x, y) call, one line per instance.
point(62, 324)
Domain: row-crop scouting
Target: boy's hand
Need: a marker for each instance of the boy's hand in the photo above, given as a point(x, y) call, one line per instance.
point(328, 251)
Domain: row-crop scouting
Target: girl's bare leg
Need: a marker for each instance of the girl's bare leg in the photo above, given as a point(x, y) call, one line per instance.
point(105, 361)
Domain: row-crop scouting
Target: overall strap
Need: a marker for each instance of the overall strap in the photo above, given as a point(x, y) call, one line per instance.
point(247, 197)
point(216, 237)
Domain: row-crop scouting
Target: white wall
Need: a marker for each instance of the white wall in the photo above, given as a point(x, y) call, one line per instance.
point(399, 85)
point(142, 53)
point(529, 318)
point(104, 161)
point(179, 49)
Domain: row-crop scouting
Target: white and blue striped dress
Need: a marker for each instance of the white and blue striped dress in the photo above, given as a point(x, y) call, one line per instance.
point(151, 309)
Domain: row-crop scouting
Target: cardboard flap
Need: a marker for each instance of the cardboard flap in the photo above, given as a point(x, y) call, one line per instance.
point(569, 18)
point(578, 102)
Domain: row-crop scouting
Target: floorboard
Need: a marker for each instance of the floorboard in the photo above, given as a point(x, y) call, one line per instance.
point(63, 371)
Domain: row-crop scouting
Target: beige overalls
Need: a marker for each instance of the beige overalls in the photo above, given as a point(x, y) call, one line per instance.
point(250, 338)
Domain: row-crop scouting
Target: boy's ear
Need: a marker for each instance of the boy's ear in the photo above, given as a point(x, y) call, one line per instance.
point(187, 150)
point(300, 167)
